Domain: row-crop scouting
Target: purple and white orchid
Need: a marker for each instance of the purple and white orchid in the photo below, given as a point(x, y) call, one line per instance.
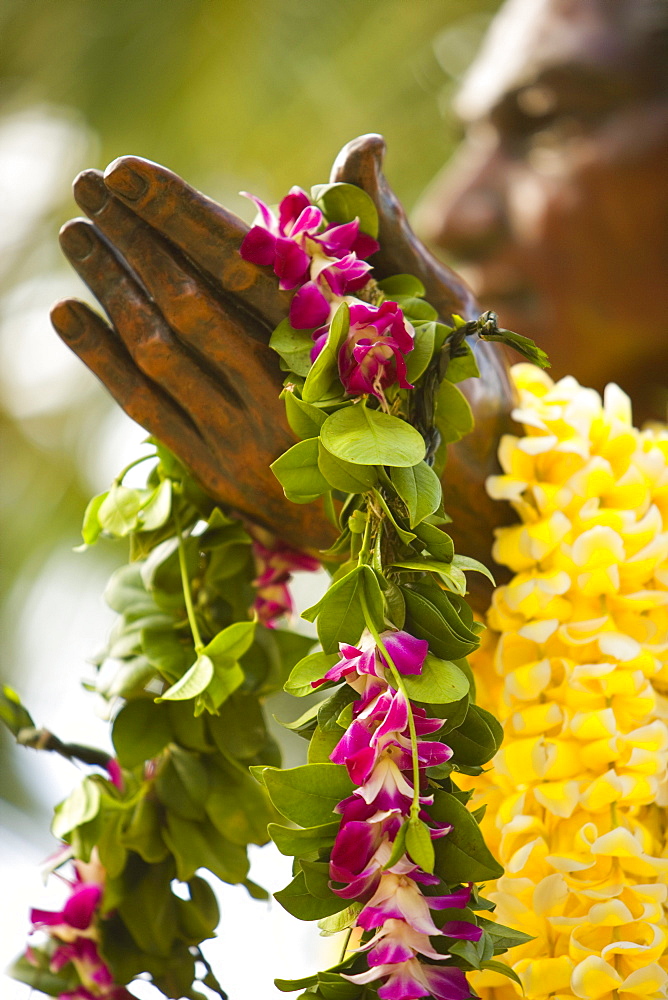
point(378, 753)
point(290, 241)
point(275, 563)
point(75, 933)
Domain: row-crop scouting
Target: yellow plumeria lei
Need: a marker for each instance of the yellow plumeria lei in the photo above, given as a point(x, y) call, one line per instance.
point(576, 667)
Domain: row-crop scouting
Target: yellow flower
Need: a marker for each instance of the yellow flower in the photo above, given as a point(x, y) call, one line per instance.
point(577, 670)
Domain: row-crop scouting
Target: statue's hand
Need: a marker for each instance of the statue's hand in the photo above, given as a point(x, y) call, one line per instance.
point(186, 355)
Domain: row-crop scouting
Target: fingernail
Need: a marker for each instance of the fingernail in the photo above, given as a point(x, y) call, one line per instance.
point(91, 193)
point(77, 241)
point(124, 181)
point(66, 321)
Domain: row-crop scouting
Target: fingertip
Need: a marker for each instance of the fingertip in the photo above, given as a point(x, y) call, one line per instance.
point(126, 176)
point(76, 238)
point(67, 320)
point(90, 192)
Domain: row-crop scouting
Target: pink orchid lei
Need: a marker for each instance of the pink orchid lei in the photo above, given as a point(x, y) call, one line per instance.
point(387, 849)
point(74, 937)
point(384, 845)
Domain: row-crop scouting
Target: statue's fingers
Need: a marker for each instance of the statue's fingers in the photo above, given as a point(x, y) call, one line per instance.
point(361, 162)
point(242, 442)
point(227, 342)
point(144, 331)
point(100, 349)
point(206, 232)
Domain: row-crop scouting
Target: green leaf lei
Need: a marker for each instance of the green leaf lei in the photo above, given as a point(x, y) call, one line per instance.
point(188, 667)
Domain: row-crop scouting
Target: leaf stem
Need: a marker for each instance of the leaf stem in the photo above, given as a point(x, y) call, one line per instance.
point(185, 583)
point(365, 551)
point(344, 949)
point(399, 681)
point(123, 473)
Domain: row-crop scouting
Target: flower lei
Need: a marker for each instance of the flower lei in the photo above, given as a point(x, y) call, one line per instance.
point(578, 672)
point(385, 847)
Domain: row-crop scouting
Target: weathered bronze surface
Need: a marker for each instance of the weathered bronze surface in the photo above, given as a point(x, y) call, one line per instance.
point(184, 350)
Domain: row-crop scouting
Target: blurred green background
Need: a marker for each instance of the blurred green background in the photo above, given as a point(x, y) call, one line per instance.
point(231, 94)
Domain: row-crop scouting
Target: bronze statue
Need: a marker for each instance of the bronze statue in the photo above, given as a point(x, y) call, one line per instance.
point(555, 207)
point(187, 354)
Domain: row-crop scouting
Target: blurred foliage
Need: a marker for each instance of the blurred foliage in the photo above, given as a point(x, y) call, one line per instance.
point(232, 94)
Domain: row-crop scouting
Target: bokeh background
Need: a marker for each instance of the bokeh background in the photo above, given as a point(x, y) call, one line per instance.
point(231, 94)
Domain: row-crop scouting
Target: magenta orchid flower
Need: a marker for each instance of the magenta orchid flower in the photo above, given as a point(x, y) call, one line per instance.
point(275, 566)
point(373, 356)
point(74, 931)
point(289, 242)
point(412, 979)
point(408, 655)
point(377, 751)
point(316, 301)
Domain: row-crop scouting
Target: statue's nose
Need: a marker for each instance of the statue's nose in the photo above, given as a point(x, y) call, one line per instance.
point(463, 211)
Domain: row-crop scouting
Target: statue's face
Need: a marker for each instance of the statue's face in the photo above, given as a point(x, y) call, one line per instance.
point(556, 206)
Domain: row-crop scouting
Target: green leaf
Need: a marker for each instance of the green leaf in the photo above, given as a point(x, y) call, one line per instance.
point(176, 794)
point(239, 728)
point(363, 436)
point(420, 489)
point(13, 713)
point(344, 475)
point(453, 608)
point(342, 203)
point(462, 855)
point(463, 366)
point(451, 575)
point(454, 417)
point(193, 682)
point(308, 794)
point(503, 970)
point(37, 974)
point(428, 622)
point(140, 731)
point(438, 543)
point(322, 744)
point(238, 807)
point(417, 360)
point(416, 310)
point(112, 852)
point(149, 911)
point(304, 419)
point(478, 738)
point(144, 832)
point(298, 901)
point(198, 916)
point(340, 921)
point(81, 806)
point(311, 668)
point(294, 346)
point(323, 379)
point(339, 613)
point(91, 527)
point(406, 536)
point(200, 845)
point(402, 284)
point(119, 511)
point(298, 473)
point(503, 937)
point(440, 683)
point(156, 510)
point(419, 845)
point(290, 985)
point(164, 650)
point(301, 843)
point(232, 642)
point(466, 563)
